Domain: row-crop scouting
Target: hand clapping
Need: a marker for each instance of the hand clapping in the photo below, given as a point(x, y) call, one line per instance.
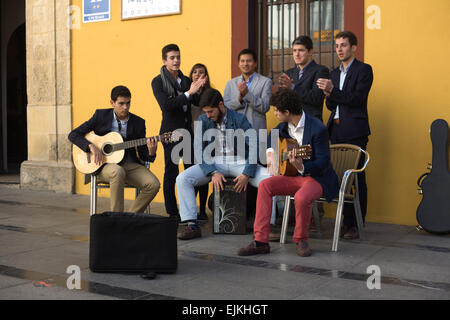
point(197, 85)
point(285, 81)
point(243, 90)
point(325, 85)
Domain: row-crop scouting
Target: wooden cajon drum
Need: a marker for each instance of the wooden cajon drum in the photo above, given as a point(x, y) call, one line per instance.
point(230, 210)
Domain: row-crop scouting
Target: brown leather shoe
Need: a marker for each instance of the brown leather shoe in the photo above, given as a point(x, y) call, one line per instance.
point(189, 233)
point(303, 249)
point(252, 249)
point(351, 234)
point(274, 236)
point(344, 230)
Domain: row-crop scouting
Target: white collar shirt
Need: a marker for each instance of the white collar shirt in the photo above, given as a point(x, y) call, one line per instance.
point(297, 133)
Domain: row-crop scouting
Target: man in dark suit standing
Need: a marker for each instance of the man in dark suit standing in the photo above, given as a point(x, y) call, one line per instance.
point(174, 93)
point(347, 94)
point(129, 170)
point(303, 77)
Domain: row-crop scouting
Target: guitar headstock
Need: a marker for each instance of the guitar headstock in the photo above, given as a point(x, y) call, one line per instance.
point(171, 137)
point(304, 152)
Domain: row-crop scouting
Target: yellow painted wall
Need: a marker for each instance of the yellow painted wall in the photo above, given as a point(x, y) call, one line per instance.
point(409, 56)
point(106, 54)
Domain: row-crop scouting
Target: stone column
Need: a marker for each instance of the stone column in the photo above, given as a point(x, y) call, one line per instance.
point(49, 111)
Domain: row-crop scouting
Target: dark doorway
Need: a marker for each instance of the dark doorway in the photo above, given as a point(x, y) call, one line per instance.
point(13, 101)
point(16, 100)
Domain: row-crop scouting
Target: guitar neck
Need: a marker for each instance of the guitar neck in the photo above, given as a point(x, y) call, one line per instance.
point(285, 156)
point(133, 143)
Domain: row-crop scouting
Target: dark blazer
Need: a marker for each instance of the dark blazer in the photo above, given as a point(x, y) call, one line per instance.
point(319, 166)
point(352, 100)
point(173, 115)
point(101, 123)
point(311, 96)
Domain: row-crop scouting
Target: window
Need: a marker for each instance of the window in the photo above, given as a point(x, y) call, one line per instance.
point(282, 21)
point(327, 18)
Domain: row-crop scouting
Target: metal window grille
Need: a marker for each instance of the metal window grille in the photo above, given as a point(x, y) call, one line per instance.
point(281, 21)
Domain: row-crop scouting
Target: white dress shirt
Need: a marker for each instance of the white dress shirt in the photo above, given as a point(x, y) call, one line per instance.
point(296, 133)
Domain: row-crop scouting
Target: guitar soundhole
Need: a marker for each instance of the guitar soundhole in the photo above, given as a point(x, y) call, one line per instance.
point(107, 149)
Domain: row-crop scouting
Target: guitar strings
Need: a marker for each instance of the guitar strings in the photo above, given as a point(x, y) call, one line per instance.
point(137, 142)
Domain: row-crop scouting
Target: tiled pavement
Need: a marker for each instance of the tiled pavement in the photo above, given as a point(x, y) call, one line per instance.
point(42, 233)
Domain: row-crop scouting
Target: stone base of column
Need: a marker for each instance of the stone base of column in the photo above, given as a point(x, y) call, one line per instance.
point(51, 176)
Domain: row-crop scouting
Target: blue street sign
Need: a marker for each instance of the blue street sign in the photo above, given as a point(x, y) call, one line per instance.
point(96, 10)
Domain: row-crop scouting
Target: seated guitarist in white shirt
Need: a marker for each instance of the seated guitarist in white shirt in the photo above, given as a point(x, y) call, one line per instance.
point(315, 175)
point(129, 170)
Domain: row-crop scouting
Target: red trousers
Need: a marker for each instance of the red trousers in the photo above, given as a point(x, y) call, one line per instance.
point(305, 190)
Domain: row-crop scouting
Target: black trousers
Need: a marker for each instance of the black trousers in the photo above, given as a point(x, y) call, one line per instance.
point(171, 172)
point(349, 210)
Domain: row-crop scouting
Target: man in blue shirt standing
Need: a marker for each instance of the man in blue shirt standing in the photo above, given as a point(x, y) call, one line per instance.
point(250, 92)
point(347, 93)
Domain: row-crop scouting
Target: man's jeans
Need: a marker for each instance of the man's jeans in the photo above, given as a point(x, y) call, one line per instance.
point(194, 176)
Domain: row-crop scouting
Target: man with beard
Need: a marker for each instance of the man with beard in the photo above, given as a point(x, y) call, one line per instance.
point(226, 160)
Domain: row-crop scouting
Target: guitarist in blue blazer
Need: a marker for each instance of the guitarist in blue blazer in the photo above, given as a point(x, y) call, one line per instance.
point(130, 170)
point(347, 94)
point(316, 176)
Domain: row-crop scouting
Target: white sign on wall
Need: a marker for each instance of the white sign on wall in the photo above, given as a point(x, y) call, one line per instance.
point(132, 9)
point(96, 10)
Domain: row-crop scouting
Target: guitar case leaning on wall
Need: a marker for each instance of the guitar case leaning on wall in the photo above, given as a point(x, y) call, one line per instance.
point(122, 242)
point(433, 213)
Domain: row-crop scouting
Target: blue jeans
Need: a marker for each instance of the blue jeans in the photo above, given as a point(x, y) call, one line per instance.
point(194, 176)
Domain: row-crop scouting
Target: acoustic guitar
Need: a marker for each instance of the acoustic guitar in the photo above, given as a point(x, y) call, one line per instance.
point(433, 212)
point(280, 164)
point(113, 148)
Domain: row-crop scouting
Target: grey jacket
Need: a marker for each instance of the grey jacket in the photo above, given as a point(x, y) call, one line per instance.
point(255, 103)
